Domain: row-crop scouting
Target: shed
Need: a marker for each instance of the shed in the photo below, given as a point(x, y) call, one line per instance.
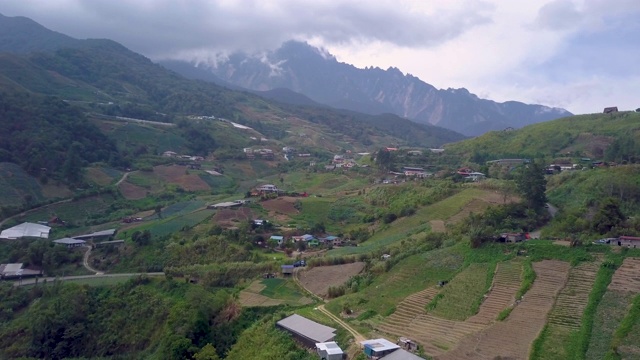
point(629, 241)
point(98, 234)
point(609, 110)
point(287, 269)
point(70, 242)
point(308, 332)
point(16, 270)
point(330, 351)
point(277, 238)
point(378, 347)
point(26, 229)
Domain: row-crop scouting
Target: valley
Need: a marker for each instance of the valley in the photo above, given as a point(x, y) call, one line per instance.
point(212, 214)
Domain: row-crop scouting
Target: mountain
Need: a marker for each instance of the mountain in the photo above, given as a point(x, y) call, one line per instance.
point(318, 75)
point(22, 35)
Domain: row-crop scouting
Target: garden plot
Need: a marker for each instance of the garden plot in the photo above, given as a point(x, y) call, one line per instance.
point(320, 278)
point(506, 283)
point(272, 292)
point(512, 338)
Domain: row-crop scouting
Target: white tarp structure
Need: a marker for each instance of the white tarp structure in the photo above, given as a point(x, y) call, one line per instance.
point(26, 230)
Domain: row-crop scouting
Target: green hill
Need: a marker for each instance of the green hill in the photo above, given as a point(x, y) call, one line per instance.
point(580, 135)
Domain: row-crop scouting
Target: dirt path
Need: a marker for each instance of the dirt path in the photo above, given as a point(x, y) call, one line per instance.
point(356, 335)
point(124, 177)
point(85, 261)
point(34, 209)
point(67, 278)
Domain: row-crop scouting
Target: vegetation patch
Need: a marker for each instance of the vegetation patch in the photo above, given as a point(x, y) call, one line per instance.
point(460, 298)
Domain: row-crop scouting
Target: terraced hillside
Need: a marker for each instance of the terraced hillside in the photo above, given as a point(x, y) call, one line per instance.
point(512, 338)
point(506, 283)
point(438, 335)
point(613, 308)
point(567, 312)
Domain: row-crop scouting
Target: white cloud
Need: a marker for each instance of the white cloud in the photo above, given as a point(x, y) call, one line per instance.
point(580, 54)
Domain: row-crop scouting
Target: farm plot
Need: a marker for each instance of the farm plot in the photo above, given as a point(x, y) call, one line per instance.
point(462, 293)
point(179, 175)
point(272, 292)
point(103, 176)
point(566, 315)
point(230, 217)
point(132, 192)
point(437, 335)
point(512, 338)
point(282, 205)
point(320, 278)
point(613, 307)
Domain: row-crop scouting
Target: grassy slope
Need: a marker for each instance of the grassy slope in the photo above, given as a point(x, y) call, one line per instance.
point(460, 296)
point(550, 137)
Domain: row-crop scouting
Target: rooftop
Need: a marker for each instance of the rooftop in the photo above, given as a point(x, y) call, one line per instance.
point(26, 230)
point(331, 348)
point(401, 354)
point(69, 241)
point(307, 328)
point(109, 232)
point(379, 345)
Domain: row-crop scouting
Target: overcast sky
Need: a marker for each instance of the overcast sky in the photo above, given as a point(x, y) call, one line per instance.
point(582, 55)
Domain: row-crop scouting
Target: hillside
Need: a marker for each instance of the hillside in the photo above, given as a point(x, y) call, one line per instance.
point(580, 135)
point(318, 75)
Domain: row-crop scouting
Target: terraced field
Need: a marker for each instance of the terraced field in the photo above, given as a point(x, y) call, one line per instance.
point(438, 335)
point(566, 316)
point(512, 338)
point(624, 286)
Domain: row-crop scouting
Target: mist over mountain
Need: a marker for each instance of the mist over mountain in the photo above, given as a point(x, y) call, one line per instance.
point(318, 75)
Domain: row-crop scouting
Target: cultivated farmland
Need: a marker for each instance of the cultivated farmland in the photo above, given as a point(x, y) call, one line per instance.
point(320, 278)
point(272, 292)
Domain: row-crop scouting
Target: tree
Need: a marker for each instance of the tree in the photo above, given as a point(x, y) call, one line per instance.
point(158, 210)
point(384, 159)
point(72, 167)
point(608, 216)
point(531, 183)
point(208, 352)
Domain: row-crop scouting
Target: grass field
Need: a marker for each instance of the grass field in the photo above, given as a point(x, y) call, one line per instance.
point(609, 314)
point(167, 226)
point(272, 292)
point(461, 296)
point(75, 212)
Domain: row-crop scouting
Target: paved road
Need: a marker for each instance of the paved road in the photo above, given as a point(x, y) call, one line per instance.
point(67, 278)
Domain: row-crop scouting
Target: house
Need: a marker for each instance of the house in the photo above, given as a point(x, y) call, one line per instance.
point(629, 241)
point(277, 238)
point(267, 188)
point(104, 234)
point(475, 176)
point(26, 230)
point(169, 154)
point(465, 171)
point(330, 240)
point(330, 351)
point(287, 269)
point(436, 151)
point(338, 159)
point(259, 222)
point(305, 237)
point(377, 348)
point(70, 242)
point(306, 331)
point(17, 270)
point(414, 152)
point(225, 205)
point(609, 110)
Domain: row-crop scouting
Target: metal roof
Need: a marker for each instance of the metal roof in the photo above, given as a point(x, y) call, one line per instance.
point(401, 354)
point(69, 241)
point(109, 232)
point(331, 348)
point(379, 345)
point(310, 329)
point(26, 230)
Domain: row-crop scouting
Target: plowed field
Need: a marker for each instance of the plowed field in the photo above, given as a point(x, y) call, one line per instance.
point(320, 278)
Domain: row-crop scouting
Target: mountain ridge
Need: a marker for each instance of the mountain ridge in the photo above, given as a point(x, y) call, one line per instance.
point(320, 76)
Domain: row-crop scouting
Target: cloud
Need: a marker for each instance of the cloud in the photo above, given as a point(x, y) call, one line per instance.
point(164, 28)
point(558, 15)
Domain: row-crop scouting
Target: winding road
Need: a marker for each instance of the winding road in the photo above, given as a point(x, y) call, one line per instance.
point(85, 261)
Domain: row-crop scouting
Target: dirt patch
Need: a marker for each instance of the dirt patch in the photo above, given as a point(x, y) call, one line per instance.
point(182, 176)
point(231, 217)
point(562, 243)
point(319, 279)
point(98, 176)
point(282, 205)
point(437, 226)
point(132, 192)
point(627, 277)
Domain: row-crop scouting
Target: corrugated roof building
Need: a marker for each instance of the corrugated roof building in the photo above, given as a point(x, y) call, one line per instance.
point(308, 332)
point(26, 230)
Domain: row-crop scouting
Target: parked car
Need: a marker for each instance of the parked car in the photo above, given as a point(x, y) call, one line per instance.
point(299, 263)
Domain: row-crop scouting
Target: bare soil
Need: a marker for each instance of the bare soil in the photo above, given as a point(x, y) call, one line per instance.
point(231, 217)
point(132, 192)
point(627, 277)
point(283, 205)
point(320, 278)
point(437, 226)
point(177, 174)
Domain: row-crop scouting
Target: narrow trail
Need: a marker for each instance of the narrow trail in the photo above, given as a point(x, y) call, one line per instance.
point(85, 261)
point(356, 335)
point(32, 281)
point(124, 177)
point(34, 209)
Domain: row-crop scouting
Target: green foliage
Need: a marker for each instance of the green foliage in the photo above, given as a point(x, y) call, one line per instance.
point(532, 185)
point(504, 313)
point(461, 297)
point(528, 277)
point(632, 318)
point(208, 352)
